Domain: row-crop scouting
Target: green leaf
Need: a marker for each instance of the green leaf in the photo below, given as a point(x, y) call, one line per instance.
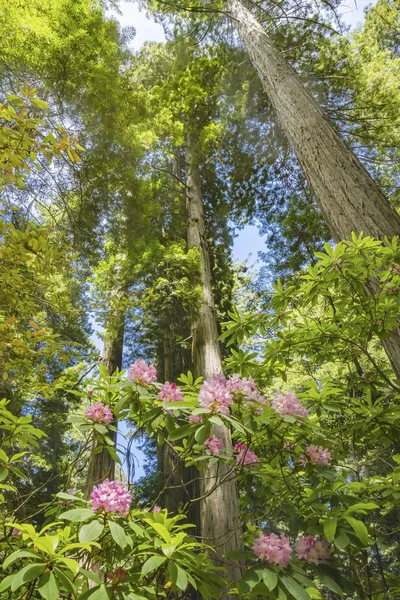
point(330, 526)
point(180, 432)
point(3, 473)
point(328, 581)
point(202, 433)
point(161, 530)
point(99, 594)
point(360, 507)
point(91, 531)
point(65, 581)
point(27, 574)
point(359, 529)
point(293, 588)
point(153, 563)
point(178, 576)
point(48, 586)
point(6, 582)
point(270, 579)
point(19, 554)
point(77, 514)
point(118, 534)
point(342, 539)
point(39, 103)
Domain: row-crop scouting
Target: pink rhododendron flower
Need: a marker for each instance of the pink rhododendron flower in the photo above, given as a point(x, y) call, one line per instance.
point(156, 508)
point(16, 532)
point(215, 396)
point(311, 550)
point(289, 405)
point(142, 373)
point(112, 497)
point(118, 575)
point(245, 456)
point(214, 445)
point(195, 419)
point(289, 446)
point(318, 455)
point(247, 388)
point(99, 413)
point(170, 392)
point(273, 548)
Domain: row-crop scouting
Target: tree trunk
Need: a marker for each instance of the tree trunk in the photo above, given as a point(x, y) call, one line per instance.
point(219, 512)
point(102, 465)
point(348, 197)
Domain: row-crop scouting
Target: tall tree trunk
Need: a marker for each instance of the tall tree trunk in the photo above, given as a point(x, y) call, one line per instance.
point(102, 465)
point(219, 512)
point(347, 195)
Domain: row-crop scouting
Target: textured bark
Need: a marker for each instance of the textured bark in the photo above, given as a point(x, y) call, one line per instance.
point(219, 522)
point(102, 465)
point(347, 195)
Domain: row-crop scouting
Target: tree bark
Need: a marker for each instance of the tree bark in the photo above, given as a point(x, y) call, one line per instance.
point(102, 465)
point(348, 197)
point(219, 511)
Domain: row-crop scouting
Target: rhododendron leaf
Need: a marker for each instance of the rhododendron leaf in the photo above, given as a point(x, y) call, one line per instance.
point(202, 433)
point(359, 529)
point(100, 428)
point(180, 432)
point(216, 420)
point(118, 534)
point(66, 496)
point(178, 576)
point(18, 554)
point(270, 579)
point(327, 580)
point(3, 473)
point(72, 564)
point(77, 515)
point(294, 588)
point(342, 539)
point(330, 526)
point(151, 414)
point(48, 586)
point(99, 593)
point(249, 580)
point(5, 584)
point(281, 594)
point(64, 581)
point(152, 563)
point(361, 507)
point(161, 530)
point(314, 593)
point(27, 574)
point(91, 531)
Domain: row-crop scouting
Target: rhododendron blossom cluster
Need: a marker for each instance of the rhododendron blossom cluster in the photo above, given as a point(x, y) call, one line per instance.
point(245, 456)
point(170, 392)
point(214, 445)
point(273, 548)
point(195, 419)
point(312, 550)
point(318, 455)
point(289, 405)
point(215, 396)
point(218, 393)
point(142, 373)
point(156, 508)
point(247, 388)
point(112, 497)
point(99, 413)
